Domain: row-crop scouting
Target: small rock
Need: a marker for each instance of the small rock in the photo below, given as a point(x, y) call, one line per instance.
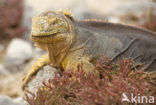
point(18, 52)
point(44, 74)
point(20, 101)
point(3, 70)
point(6, 100)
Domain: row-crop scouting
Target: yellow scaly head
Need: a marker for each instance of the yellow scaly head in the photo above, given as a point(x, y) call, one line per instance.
point(51, 26)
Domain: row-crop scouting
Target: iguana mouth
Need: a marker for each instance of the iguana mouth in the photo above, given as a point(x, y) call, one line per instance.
point(39, 36)
point(55, 37)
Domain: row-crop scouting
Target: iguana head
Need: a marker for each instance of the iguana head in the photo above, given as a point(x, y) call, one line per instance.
point(54, 32)
point(51, 27)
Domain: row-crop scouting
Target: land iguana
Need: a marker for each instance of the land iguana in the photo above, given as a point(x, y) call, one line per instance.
point(70, 42)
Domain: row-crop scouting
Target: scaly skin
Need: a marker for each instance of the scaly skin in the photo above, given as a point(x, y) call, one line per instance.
point(69, 43)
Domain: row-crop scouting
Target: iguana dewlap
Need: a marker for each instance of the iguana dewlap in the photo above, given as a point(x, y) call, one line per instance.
point(70, 42)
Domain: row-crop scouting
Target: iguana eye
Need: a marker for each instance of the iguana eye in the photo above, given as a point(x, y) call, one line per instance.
point(54, 23)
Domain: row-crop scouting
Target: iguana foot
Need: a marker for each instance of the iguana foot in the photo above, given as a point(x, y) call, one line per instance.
point(38, 64)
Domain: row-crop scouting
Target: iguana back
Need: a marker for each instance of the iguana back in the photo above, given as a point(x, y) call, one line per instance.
point(116, 41)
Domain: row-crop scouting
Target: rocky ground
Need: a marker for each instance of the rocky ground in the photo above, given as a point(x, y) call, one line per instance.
point(17, 55)
point(17, 59)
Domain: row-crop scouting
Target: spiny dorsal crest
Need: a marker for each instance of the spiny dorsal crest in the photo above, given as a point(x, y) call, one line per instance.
point(68, 14)
point(95, 20)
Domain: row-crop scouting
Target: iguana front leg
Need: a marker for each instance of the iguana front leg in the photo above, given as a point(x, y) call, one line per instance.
point(72, 61)
point(43, 60)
